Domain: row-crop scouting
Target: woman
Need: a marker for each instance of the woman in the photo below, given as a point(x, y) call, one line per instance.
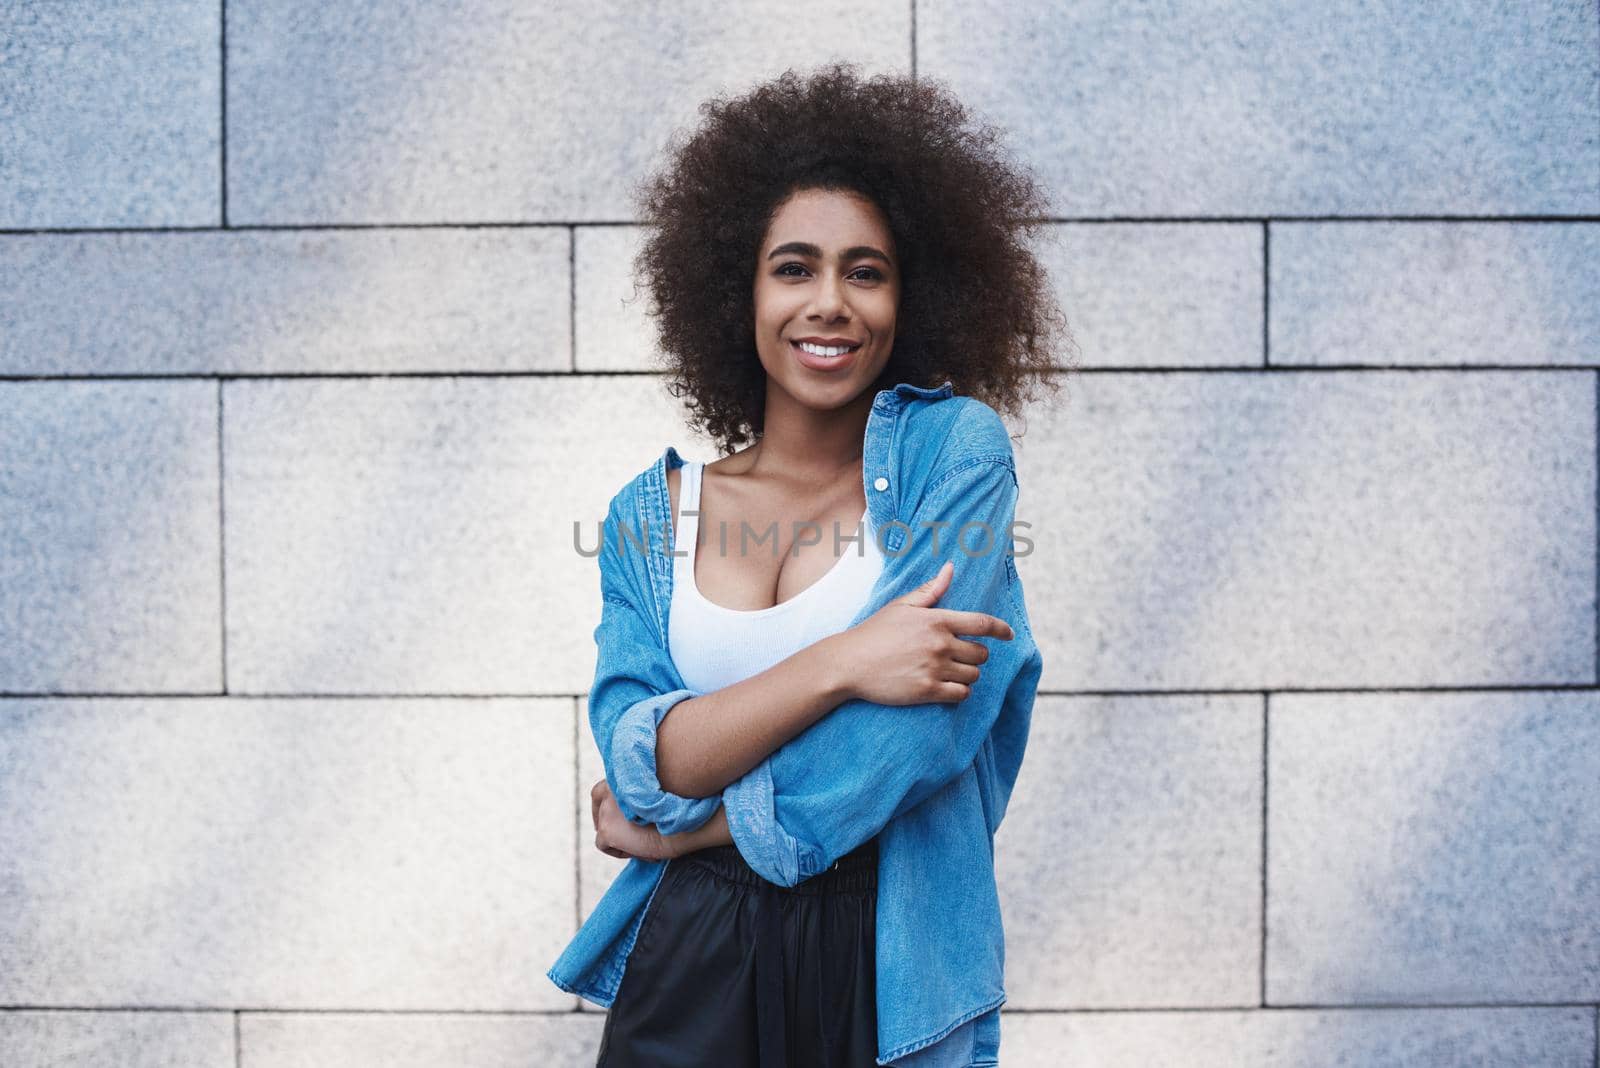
point(848, 723)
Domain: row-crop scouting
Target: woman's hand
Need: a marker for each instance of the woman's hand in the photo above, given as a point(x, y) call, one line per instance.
point(907, 652)
point(617, 836)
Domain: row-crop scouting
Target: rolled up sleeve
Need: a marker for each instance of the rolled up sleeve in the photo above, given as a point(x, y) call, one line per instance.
point(635, 685)
point(632, 774)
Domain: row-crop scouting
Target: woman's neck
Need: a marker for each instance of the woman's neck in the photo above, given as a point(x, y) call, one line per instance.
point(811, 445)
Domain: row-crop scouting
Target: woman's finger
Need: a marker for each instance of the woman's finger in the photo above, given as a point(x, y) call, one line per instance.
point(965, 652)
point(609, 850)
point(962, 673)
point(975, 624)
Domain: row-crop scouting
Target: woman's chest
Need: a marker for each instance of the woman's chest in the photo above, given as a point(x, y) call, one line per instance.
point(751, 550)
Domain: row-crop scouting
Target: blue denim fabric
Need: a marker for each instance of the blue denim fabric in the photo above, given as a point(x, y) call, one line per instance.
point(932, 780)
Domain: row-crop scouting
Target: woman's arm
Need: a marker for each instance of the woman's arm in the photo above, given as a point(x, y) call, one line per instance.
point(636, 685)
point(617, 836)
point(841, 781)
point(894, 754)
point(713, 832)
point(838, 784)
point(706, 742)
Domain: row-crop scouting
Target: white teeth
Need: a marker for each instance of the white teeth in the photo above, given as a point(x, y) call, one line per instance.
point(823, 350)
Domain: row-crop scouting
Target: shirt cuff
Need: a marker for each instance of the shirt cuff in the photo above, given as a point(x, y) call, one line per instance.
point(636, 786)
point(773, 853)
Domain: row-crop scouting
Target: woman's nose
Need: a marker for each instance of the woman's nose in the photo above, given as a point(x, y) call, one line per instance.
point(830, 298)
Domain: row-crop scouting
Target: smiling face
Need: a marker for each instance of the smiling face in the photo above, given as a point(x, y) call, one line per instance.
point(827, 278)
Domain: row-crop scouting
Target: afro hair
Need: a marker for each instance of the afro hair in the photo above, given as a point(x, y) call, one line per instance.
point(976, 307)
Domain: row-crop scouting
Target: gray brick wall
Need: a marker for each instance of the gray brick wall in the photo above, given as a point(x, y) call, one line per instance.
point(294, 647)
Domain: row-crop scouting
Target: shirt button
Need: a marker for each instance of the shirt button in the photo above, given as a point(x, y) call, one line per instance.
point(880, 483)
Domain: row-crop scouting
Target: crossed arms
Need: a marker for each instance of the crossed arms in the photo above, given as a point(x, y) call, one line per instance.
point(847, 772)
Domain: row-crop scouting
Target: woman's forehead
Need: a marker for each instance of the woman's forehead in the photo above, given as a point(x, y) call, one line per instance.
point(829, 218)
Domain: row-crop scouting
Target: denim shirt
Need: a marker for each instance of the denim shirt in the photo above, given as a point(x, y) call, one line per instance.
point(932, 780)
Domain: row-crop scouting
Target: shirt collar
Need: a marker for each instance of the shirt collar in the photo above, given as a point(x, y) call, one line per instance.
point(947, 389)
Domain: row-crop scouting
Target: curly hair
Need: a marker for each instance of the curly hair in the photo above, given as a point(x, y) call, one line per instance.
point(976, 307)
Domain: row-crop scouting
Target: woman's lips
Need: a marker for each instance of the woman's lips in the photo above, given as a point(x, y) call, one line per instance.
point(825, 363)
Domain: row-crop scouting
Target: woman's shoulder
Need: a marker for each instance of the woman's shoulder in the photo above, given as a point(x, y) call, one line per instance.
point(945, 438)
point(624, 503)
point(651, 475)
point(966, 429)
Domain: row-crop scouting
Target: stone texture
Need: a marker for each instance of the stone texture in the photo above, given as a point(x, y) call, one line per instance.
point(1259, 108)
point(1233, 531)
point(110, 1039)
point(256, 302)
point(502, 111)
point(215, 853)
point(316, 1040)
point(1560, 1037)
point(1129, 862)
point(110, 580)
point(1433, 848)
point(418, 535)
point(1436, 293)
point(110, 116)
point(1159, 294)
point(614, 330)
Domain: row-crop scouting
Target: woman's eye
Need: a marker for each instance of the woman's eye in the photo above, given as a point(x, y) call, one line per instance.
point(866, 273)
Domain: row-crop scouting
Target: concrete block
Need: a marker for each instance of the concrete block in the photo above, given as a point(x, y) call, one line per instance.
point(1259, 108)
point(1381, 529)
point(110, 577)
point(115, 1039)
point(302, 854)
point(270, 302)
point(1433, 848)
point(1557, 1037)
point(426, 535)
point(388, 1040)
point(111, 116)
point(1435, 293)
point(514, 112)
point(1129, 861)
point(1159, 294)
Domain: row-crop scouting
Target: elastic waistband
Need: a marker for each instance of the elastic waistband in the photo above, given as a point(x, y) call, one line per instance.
point(855, 871)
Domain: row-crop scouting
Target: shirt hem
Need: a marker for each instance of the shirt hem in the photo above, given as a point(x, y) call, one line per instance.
point(589, 994)
point(594, 993)
point(912, 1047)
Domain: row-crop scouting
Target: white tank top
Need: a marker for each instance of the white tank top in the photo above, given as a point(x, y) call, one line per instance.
point(714, 646)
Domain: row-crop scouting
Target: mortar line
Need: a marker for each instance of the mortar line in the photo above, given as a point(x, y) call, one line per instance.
point(1266, 291)
point(222, 117)
point(222, 541)
point(560, 223)
point(500, 695)
point(577, 836)
point(645, 372)
point(1266, 717)
point(913, 40)
point(572, 298)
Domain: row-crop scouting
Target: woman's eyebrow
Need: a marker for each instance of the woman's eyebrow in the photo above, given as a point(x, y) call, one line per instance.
point(805, 248)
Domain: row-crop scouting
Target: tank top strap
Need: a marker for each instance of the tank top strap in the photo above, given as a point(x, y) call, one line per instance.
point(688, 500)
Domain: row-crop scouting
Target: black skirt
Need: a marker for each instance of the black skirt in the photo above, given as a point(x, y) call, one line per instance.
point(734, 971)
